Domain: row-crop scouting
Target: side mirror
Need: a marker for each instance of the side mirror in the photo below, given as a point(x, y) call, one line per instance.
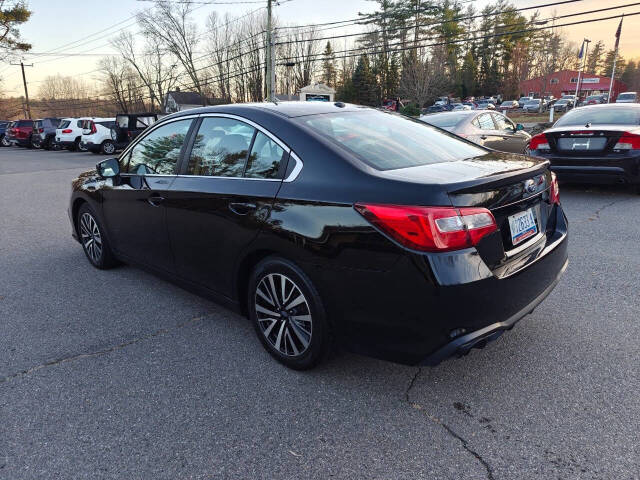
point(108, 168)
point(519, 127)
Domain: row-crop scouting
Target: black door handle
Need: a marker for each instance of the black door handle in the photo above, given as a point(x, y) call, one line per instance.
point(242, 208)
point(155, 200)
point(483, 137)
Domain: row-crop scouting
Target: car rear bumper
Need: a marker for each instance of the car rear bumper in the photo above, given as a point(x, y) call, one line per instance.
point(597, 170)
point(65, 143)
point(416, 313)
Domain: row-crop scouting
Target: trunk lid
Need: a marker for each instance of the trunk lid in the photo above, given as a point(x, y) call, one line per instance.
point(577, 141)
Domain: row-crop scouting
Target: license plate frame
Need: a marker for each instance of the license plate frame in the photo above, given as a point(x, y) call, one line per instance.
point(522, 226)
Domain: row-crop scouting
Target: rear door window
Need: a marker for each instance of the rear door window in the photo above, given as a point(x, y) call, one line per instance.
point(221, 148)
point(503, 123)
point(265, 159)
point(64, 124)
point(484, 122)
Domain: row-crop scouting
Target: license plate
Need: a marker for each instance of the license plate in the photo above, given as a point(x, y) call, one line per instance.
point(522, 226)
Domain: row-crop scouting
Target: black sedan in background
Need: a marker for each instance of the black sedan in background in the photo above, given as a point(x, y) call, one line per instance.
point(487, 128)
point(595, 144)
point(332, 223)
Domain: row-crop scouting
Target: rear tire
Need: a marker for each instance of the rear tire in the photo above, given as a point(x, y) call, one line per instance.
point(5, 141)
point(79, 146)
point(287, 314)
point(93, 239)
point(108, 147)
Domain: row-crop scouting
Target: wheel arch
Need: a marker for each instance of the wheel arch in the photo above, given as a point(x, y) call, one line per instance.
point(243, 271)
point(75, 208)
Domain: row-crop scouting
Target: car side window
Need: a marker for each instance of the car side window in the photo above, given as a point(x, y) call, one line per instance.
point(484, 122)
point(79, 123)
point(503, 123)
point(221, 148)
point(265, 159)
point(158, 152)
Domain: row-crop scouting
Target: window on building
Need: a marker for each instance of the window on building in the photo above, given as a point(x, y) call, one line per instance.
point(554, 81)
point(574, 80)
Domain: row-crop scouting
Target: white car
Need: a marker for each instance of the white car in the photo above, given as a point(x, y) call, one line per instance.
point(98, 136)
point(627, 97)
point(69, 133)
point(460, 107)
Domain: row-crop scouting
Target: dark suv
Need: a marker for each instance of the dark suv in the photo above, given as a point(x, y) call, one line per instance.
point(21, 133)
point(129, 126)
point(44, 132)
point(4, 126)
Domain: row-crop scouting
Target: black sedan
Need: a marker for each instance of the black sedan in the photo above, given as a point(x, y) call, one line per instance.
point(488, 128)
point(595, 144)
point(330, 223)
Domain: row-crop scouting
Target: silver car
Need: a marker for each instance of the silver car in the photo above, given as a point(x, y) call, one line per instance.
point(490, 129)
point(532, 106)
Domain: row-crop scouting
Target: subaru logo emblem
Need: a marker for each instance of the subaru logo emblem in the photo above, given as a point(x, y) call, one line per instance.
point(530, 186)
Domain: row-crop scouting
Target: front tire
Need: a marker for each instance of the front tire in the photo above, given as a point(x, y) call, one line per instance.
point(5, 141)
point(94, 242)
point(287, 314)
point(79, 146)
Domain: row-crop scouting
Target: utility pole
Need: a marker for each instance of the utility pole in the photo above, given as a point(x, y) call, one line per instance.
point(271, 71)
point(24, 81)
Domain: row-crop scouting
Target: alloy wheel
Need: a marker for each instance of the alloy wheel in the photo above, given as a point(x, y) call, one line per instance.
point(283, 314)
point(109, 148)
point(90, 237)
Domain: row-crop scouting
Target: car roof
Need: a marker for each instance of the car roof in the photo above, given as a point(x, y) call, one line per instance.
point(611, 105)
point(285, 109)
point(630, 93)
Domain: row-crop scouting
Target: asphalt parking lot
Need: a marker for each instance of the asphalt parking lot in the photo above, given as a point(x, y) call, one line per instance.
point(118, 374)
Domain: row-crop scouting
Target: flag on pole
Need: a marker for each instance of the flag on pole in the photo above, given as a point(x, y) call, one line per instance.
point(618, 32)
point(581, 52)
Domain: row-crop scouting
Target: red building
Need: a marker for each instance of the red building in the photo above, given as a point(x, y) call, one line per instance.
point(564, 82)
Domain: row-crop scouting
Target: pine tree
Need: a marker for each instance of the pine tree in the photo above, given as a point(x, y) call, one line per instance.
point(607, 67)
point(364, 83)
point(594, 62)
point(329, 73)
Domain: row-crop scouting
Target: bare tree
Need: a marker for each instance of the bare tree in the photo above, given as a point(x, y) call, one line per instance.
point(119, 84)
point(169, 24)
point(306, 48)
point(423, 77)
point(154, 67)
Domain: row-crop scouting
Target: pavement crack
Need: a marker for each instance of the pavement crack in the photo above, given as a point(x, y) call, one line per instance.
point(596, 214)
point(445, 427)
point(105, 351)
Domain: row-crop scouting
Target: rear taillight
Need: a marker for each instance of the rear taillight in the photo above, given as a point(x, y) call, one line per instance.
point(430, 229)
point(628, 141)
point(554, 190)
point(539, 142)
point(93, 128)
point(67, 130)
point(41, 130)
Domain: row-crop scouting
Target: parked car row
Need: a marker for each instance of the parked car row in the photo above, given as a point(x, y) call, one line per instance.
point(98, 135)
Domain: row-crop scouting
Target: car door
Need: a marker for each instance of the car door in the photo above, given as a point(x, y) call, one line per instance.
point(485, 131)
point(133, 207)
point(510, 139)
point(218, 206)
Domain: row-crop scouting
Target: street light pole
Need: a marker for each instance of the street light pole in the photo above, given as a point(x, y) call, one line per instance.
point(24, 81)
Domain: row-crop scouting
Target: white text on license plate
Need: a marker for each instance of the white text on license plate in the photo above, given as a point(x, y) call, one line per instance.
point(522, 226)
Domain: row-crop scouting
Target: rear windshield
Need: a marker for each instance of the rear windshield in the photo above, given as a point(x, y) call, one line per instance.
point(108, 124)
point(24, 123)
point(37, 124)
point(443, 120)
point(625, 96)
point(64, 123)
point(601, 116)
point(386, 141)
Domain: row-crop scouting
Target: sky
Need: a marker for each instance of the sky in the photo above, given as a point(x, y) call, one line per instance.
point(55, 24)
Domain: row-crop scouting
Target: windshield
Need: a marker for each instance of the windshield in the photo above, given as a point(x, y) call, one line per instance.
point(601, 116)
point(533, 102)
point(562, 102)
point(626, 96)
point(386, 141)
point(444, 120)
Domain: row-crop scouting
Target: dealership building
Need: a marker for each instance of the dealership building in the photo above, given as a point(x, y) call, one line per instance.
point(564, 82)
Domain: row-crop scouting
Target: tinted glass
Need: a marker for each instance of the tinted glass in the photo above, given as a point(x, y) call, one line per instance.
point(386, 141)
point(158, 152)
point(64, 124)
point(484, 122)
point(266, 156)
point(443, 120)
point(37, 124)
point(109, 124)
point(627, 96)
point(24, 123)
point(601, 116)
point(221, 148)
